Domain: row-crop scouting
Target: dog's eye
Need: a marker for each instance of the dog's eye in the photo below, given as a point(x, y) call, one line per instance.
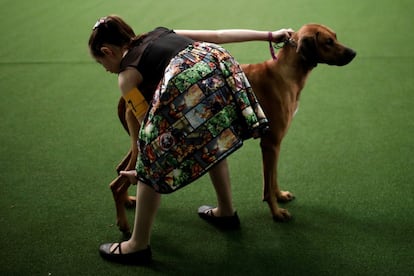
point(329, 42)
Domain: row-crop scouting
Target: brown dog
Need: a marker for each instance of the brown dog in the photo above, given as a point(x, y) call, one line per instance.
point(277, 85)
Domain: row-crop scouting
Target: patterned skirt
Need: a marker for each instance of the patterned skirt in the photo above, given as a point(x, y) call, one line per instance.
point(202, 111)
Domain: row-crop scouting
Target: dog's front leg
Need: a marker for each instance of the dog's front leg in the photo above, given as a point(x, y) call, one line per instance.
point(271, 191)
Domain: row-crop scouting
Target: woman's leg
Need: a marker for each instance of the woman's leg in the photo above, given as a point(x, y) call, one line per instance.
point(220, 177)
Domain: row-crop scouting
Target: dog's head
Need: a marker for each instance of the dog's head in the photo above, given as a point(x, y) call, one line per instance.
point(318, 44)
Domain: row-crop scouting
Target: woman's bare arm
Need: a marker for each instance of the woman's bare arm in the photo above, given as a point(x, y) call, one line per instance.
point(235, 35)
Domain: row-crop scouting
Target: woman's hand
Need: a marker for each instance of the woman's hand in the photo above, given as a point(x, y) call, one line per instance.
point(131, 175)
point(281, 35)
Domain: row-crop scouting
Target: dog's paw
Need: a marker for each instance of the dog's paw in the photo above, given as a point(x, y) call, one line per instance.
point(282, 215)
point(284, 196)
point(123, 226)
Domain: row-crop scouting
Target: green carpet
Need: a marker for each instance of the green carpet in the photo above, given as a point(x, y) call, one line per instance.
point(347, 157)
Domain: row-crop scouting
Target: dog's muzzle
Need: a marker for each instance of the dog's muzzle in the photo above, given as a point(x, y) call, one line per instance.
point(346, 57)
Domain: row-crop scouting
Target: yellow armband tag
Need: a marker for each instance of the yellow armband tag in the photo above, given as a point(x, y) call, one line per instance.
point(136, 102)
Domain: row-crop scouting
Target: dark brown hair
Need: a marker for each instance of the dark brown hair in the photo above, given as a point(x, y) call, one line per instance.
point(110, 30)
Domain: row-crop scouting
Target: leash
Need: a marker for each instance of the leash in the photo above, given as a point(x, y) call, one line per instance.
point(272, 52)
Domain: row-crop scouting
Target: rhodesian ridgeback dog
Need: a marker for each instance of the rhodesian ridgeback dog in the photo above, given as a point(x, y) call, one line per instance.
point(277, 84)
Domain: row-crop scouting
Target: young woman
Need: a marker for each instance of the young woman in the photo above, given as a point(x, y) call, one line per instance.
point(195, 106)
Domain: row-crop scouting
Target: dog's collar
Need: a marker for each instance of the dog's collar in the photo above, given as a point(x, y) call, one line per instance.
point(291, 42)
point(280, 45)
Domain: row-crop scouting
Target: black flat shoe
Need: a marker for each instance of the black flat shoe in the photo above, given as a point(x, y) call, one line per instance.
point(141, 257)
point(225, 223)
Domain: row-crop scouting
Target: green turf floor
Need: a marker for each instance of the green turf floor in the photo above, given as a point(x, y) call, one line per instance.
point(348, 157)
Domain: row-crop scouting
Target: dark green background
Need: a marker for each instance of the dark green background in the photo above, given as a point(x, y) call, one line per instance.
point(347, 158)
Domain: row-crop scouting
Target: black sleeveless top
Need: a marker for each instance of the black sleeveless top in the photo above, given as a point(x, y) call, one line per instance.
point(150, 55)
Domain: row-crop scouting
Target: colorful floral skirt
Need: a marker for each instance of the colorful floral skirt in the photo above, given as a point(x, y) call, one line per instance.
point(201, 112)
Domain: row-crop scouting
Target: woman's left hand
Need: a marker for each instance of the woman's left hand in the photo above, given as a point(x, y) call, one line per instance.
point(131, 175)
point(281, 35)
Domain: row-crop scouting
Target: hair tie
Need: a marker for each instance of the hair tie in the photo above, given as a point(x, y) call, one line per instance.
point(98, 23)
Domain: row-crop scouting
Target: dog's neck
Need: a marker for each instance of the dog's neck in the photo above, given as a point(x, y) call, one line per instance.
point(294, 66)
point(293, 44)
point(294, 69)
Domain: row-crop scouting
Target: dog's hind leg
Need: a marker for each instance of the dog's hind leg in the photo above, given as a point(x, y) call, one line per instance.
point(119, 188)
point(124, 163)
point(130, 200)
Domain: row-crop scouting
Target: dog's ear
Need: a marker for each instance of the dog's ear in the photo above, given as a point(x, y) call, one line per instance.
point(307, 49)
